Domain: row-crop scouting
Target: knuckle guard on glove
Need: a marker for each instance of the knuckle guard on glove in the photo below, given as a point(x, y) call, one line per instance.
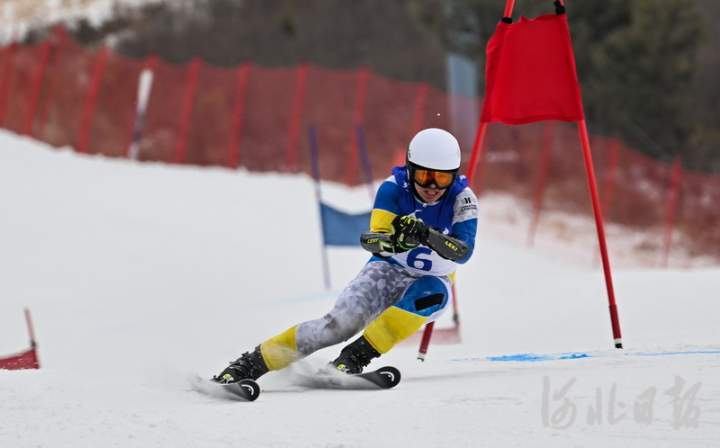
point(410, 232)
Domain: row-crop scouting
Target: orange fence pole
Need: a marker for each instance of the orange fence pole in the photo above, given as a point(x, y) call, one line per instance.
point(43, 57)
point(88, 111)
point(6, 79)
point(191, 80)
point(236, 126)
point(60, 39)
point(673, 197)
point(292, 155)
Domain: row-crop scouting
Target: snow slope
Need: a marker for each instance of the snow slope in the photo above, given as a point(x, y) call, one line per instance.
point(140, 275)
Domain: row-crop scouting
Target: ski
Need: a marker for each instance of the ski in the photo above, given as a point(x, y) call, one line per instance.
point(243, 390)
point(382, 378)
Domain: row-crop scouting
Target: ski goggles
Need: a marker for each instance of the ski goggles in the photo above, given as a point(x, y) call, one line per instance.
point(426, 178)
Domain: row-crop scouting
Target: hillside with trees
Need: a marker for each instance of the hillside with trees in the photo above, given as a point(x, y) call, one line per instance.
point(649, 68)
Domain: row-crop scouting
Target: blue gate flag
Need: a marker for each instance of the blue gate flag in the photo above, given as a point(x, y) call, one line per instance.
point(342, 229)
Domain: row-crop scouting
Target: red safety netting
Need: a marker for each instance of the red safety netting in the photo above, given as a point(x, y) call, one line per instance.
point(389, 120)
point(210, 130)
point(258, 118)
point(68, 76)
point(18, 82)
point(110, 131)
point(162, 120)
point(698, 213)
point(266, 119)
point(640, 191)
point(329, 103)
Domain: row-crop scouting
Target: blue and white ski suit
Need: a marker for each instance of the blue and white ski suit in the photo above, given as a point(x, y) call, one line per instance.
point(391, 298)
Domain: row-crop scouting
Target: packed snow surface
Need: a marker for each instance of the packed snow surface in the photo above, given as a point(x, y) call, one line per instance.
point(140, 276)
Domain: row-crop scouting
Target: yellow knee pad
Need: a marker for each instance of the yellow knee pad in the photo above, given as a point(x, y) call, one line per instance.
point(392, 326)
point(280, 351)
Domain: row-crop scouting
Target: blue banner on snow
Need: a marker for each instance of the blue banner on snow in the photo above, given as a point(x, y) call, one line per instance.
point(342, 229)
point(534, 357)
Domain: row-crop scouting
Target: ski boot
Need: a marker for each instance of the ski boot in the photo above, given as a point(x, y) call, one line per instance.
point(355, 356)
point(248, 366)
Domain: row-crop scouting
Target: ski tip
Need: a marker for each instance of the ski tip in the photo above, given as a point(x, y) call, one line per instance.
point(244, 390)
point(391, 376)
point(250, 388)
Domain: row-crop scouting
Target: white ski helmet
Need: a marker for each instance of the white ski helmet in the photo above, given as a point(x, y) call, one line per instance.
point(435, 149)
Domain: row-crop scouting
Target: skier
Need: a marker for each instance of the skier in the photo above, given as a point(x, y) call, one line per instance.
point(422, 224)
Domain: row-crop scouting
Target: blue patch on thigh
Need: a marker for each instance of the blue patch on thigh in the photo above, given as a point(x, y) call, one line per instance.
point(425, 296)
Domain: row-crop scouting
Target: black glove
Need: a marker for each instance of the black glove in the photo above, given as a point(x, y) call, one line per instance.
point(410, 232)
point(378, 243)
point(446, 246)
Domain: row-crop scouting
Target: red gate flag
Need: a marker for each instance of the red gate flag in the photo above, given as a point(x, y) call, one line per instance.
point(530, 73)
point(25, 360)
point(530, 76)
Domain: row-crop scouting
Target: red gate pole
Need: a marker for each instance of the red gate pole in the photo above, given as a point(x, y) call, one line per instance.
point(673, 196)
point(477, 155)
point(509, 5)
point(456, 315)
point(476, 168)
point(27, 359)
point(236, 125)
point(425, 341)
point(548, 134)
point(609, 184)
point(44, 56)
point(592, 186)
point(292, 154)
point(474, 157)
point(191, 80)
point(88, 110)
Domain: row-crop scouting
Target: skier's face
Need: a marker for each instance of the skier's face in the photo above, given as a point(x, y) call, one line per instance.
point(429, 194)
